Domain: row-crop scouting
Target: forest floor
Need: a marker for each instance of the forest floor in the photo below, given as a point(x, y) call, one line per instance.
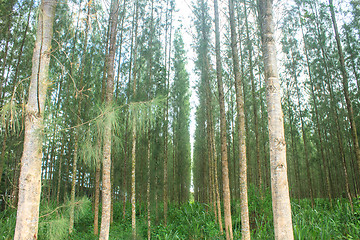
point(197, 221)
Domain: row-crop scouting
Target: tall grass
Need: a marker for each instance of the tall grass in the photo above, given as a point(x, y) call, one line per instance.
point(197, 221)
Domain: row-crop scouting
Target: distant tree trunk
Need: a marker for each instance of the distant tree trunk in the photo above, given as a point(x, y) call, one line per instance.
point(253, 95)
point(245, 223)
point(133, 183)
point(133, 148)
point(106, 163)
point(30, 176)
point(166, 116)
point(293, 147)
point(279, 181)
point(59, 172)
point(345, 84)
point(3, 149)
point(149, 126)
point(97, 194)
point(148, 186)
point(224, 154)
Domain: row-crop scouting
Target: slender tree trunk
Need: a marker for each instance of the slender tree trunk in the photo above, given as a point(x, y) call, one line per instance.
point(148, 186)
point(133, 172)
point(3, 149)
point(106, 163)
point(166, 116)
point(345, 85)
point(279, 181)
point(59, 173)
point(245, 223)
point(30, 176)
point(253, 94)
point(133, 149)
point(73, 178)
point(224, 154)
point(97, 195)
point(294, 151)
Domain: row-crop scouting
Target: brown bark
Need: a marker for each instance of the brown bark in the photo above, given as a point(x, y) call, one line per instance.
point(245, 223)
point(279, 181)
point(30, 176)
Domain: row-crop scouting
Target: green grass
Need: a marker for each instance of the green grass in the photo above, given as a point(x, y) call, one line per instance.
point(196, 221)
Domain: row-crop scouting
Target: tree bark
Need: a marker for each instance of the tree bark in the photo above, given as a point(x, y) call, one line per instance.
point(224, 154)
point(133, 148)
point(106, 164)
point(279, 180)
point(59, 173)
point(245, 223)
point(253, 95)
point(30, 176)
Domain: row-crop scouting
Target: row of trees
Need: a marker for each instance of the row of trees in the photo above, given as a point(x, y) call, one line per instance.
point(319, 97)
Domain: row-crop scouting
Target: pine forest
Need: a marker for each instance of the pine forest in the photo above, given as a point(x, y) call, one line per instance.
point(179, 119)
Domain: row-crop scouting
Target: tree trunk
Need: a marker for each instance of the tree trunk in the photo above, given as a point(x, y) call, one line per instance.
point(106, 164)
point(30, 175)
point(148, 186)
point(224, 154)
point(133, 148)
point(133, 183)
point(59, 173)
point(97, 196)
point(245, 223)
point(253, 95)
point(279, 181)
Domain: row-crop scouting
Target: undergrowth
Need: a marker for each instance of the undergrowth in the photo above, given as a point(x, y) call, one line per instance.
point(197, 221)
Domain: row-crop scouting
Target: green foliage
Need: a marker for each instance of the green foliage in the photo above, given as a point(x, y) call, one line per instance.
point(197, 221)
point(10, 116)
point(7, 224)
point(54, 221)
